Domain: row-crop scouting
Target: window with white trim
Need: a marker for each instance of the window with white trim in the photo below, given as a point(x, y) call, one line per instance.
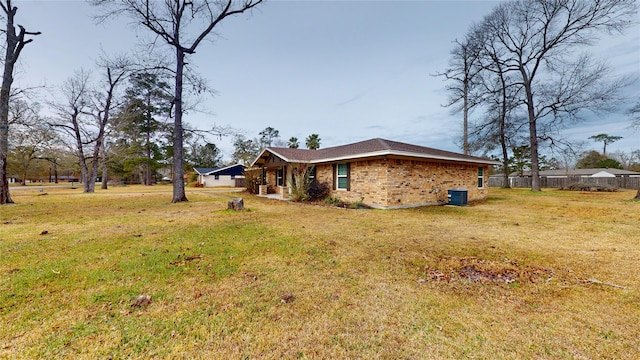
point(342, 177)
point(480, 177)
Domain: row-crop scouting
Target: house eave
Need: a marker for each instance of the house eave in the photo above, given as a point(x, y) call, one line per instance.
point(406, 154)
point(374, 154)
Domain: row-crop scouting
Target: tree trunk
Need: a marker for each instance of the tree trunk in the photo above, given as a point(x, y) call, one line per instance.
point(105, 172)
point(82, 160)
point(98, 149)
point(5, 92)
point(533, 133)
point(147, 176)
point(465, 114)
point(178, 168)
point(84, 174)
point(95, 162)
point(5, 197)
point(13, 47)
point(637, 195)
point(503, 137)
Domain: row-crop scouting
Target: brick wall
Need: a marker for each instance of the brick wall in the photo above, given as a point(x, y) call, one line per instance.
point(389, 183)
point(402, 183)
point(271, 180)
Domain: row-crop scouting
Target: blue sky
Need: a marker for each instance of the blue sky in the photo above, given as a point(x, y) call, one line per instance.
point(347, 70)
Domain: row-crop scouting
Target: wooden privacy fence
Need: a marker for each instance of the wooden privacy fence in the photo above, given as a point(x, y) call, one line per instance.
point(550, 182)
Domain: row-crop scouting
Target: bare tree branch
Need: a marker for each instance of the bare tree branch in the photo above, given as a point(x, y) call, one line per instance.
point(183, 33)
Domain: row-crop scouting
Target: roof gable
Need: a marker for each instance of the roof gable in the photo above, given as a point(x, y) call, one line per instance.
point(603, 174)
point(203, 171)
point(236, 169)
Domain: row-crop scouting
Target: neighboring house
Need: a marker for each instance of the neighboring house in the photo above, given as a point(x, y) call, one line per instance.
point(226, 176)
point(380, 173)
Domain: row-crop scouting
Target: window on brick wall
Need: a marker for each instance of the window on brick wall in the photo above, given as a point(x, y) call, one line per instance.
point(341, 176)
point(480, 177)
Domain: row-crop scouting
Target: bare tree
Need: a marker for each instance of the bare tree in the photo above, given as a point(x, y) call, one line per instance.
point(183, 25)
point(536, 36)
point(30, 137)
point(28, 145)
point(500, 95)
point(14, 43)
point(464, 67)
point(116, 72)
point(71, 117)
point(85, 112)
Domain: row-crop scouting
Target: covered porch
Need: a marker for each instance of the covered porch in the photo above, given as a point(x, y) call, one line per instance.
point(274, 174)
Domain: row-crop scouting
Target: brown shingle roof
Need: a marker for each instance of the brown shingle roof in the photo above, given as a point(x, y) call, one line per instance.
point(369, 148)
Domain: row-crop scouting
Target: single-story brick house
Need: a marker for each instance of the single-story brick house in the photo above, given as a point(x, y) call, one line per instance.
point(225, 176)
point(380, 173)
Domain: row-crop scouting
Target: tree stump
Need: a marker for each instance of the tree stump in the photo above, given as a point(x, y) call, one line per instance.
point(236, 204)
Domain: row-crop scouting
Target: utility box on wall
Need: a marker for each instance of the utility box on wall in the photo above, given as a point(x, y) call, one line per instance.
point(458, 197)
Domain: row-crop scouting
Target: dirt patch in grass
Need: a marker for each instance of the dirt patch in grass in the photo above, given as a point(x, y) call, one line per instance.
point(589, 187)
point(472, 269)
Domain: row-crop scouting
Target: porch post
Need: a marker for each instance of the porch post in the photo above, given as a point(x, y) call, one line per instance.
point(262, 187)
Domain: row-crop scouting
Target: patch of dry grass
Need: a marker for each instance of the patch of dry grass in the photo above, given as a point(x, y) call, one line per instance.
point(521, 275)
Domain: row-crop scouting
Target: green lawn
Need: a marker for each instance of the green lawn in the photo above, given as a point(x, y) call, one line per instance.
point(520, 275)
